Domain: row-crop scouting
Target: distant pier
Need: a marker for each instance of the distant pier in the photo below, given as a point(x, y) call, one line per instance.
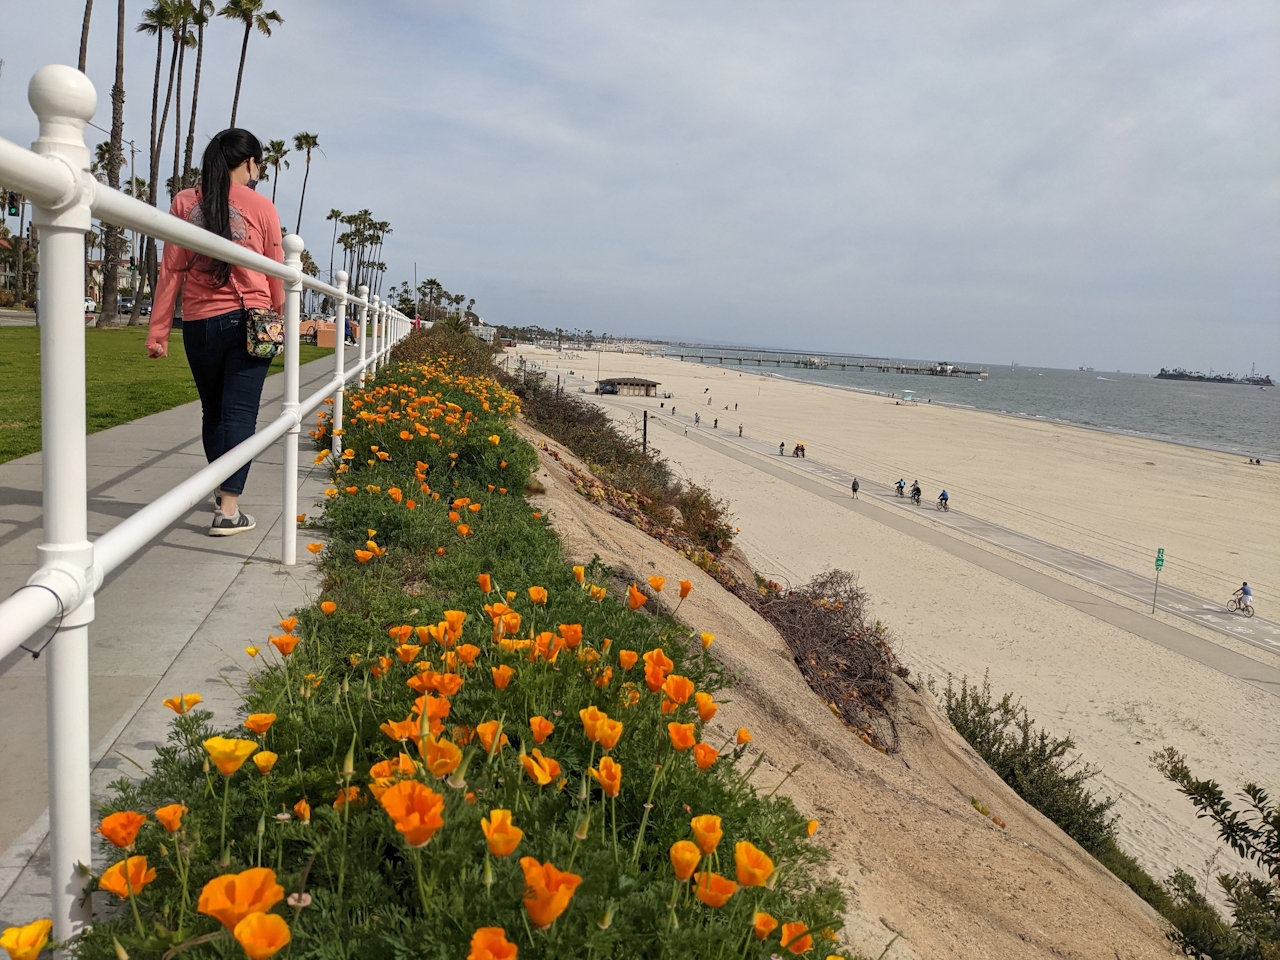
point(819, 361)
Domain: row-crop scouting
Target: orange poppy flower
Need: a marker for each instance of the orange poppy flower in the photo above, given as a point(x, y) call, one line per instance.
point(491, 943)
point(415, 810)
point(542, 770)
point(285, 643)
point(796, 938)
point(635, 599)
point(704, 755)
point(706, 832)
point(486, 582)
point(468, 652)
point(407, 652)
point(26, 942)
point(233, 896)
point(707, 640)
point(440, 756)
point(657, 583)
point(289, 624)
point(707, 706)
point(607, 732)
point(753, 865)
point(597, 593)
point(264, 760)
point(547, 891)
point(678, 688)
point(464, 530)
point(262, 935)
point(541, 727)
point(182, 704)
point(455, 618)
point(364, 556)
point(686, 587)
point(500, 833)
point(763, 924)
point(571, 634)
point(591, 717)
point(303, 810)
point(502, 676)
point(684, 859)
point(538, 595)
point(170, 816)
point(474, 507)
point(327, 607)
point(446, 684)
point(122, 828)
point(657, 657)
point(487, 731)
point(580, 573)
point(127, 877)
point(811, 827)
point(401, 633)
point(654, 678)
point(608, 775)
point(259, 723)
point(682, 736)
point(229, 755)
point(386, 772)
point(401, 729)
point(627, 658)
point(454, 516)
point(351, 795)
point(744, 736)
point(713, 889)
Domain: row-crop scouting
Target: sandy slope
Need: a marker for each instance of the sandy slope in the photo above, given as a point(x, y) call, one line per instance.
point(915, 856)
point(1118, 695)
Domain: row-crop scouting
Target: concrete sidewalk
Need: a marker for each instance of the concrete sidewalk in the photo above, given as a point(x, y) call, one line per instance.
point(174, 619)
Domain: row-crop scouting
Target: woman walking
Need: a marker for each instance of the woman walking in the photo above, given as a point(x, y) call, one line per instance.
point(216, 298)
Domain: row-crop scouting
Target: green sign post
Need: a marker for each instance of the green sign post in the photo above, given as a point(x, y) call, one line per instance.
point(1159, 567)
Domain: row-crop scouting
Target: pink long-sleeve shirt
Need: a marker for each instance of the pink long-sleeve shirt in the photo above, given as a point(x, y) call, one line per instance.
point(255, 225)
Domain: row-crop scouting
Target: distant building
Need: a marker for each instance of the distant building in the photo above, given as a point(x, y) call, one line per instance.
point(629, 387)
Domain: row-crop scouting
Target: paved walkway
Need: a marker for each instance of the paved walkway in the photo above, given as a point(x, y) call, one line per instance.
point(884, 507)
point(174, 619)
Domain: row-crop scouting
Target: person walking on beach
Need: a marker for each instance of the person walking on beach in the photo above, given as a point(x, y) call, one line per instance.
point(739, 429)
point(216, 298)
point(855, 488)
point(697, 418)
point(782, 449)
point(715, 424)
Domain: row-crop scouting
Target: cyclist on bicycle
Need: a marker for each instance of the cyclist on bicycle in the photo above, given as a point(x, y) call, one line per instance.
point(943, 498)
point(1244, 594)
point(902, 485)
point(915, 491)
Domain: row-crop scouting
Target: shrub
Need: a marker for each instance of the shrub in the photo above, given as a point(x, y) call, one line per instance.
point(396, 721)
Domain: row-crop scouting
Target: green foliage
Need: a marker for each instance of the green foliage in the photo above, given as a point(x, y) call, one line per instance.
point(121, 382)
point(1034, 763)
point(368, 898)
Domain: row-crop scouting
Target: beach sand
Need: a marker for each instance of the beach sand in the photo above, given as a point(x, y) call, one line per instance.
point(1113, 497)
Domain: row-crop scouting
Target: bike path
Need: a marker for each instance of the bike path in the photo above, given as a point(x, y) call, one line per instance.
point(815, 477)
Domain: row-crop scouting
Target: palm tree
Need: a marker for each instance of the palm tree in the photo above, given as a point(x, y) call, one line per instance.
point(336, 216)
point(183, 12)
point(84, 34)
point(155, 21)
point(200, 17)
point(277, 150)
point(115, 160)
point(251, 14)
point(308, 142)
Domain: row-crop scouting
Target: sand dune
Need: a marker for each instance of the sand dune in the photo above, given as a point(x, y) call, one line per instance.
point(1113, 497)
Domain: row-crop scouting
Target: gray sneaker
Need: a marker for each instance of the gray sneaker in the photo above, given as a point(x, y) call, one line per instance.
point(224, 526)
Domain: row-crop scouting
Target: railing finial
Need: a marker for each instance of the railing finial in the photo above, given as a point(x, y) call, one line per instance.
point(64, 99)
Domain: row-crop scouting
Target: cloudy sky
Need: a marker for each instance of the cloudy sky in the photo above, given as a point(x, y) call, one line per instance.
point(1056, 183)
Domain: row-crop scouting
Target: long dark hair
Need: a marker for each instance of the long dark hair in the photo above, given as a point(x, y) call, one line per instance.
point(226, 151)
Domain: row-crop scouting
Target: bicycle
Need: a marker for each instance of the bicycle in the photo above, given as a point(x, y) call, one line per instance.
point(1238, 605)
point(944, 506)
point(915, 498)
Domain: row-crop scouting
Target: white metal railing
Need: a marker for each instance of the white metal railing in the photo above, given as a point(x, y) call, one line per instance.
point(55, 177)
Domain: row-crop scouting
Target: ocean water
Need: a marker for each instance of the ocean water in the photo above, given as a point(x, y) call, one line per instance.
point(1232, 418)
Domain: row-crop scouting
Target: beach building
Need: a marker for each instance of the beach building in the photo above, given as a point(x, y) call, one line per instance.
point(628, 386)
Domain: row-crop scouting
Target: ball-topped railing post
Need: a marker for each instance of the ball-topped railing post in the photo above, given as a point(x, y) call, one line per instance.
point(362, 314)
point(339, 362)
point(64, 100)
point(293, 247)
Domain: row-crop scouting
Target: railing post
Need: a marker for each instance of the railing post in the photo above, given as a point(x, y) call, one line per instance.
point(293, 247)
point(375, 311)
point(64, 99)
point(362, 312)
point(339, 362)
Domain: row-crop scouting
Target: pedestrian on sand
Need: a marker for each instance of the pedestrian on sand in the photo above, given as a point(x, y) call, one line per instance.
point(216, 299)
point(855, 488)
point(739, 429)
point(715, 424)
point(782, 449)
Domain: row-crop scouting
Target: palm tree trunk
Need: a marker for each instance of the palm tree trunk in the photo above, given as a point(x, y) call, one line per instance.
point(164, 120)
point(305, 175)
point(333, 243)
point(155, 114)
point(84, 34)
point(275, 181)
point(112, 234)
point(244, 50)
point(189, 157)
point(177, 113)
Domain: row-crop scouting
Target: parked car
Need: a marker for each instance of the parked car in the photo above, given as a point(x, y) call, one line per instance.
point(89, 305)
point(145, 309)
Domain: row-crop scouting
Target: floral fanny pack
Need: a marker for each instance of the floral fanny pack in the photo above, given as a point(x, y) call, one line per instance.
point(263, 328)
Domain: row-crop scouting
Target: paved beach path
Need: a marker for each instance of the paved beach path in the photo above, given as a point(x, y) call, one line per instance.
point(884, 506)
point(175, 619)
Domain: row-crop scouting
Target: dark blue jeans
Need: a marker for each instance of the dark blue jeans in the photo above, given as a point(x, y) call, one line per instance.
point(229, 382)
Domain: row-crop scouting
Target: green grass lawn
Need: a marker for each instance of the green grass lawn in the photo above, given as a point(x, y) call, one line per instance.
point(122, 383)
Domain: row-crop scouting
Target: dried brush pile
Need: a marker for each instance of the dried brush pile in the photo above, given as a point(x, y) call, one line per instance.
point(845, 657)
